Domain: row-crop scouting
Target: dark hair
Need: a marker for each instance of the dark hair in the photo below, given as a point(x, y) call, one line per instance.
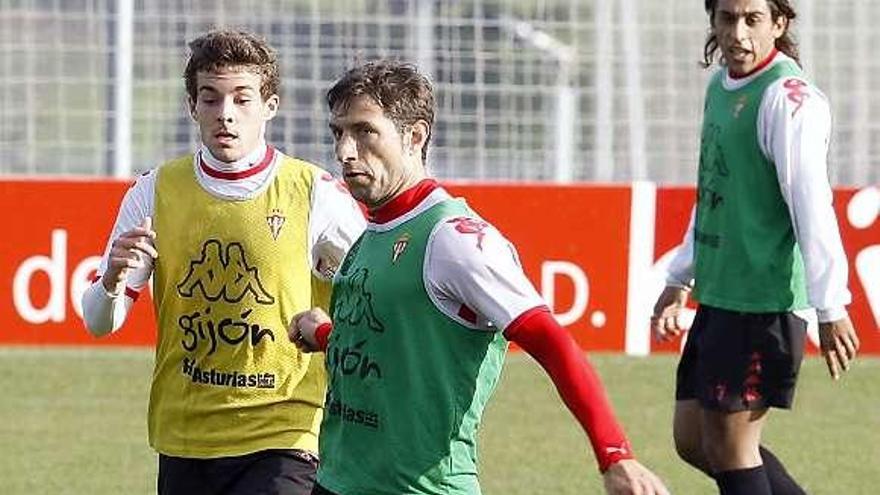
point(236, 49)
point(785, 43)
point(403, 93)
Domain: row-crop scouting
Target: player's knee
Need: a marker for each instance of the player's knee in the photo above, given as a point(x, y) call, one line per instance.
point(690, 450)
point(692, 456)
point(724, 452)
point(715, 451)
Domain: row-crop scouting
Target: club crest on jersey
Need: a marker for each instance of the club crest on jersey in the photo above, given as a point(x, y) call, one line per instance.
point(739, 105)
point(275, 221)
point(399, 247)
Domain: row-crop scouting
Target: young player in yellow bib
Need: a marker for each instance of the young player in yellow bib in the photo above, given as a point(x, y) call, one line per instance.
point(762, 246)
point(423, 307)
point(238, 238)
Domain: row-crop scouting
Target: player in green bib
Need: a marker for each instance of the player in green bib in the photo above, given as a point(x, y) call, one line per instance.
point(423, 308)
point(763, 246)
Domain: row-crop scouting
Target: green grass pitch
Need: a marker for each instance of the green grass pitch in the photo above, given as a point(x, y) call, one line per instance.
point(73, 421)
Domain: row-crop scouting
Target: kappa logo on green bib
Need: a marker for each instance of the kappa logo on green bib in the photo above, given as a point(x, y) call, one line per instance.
point(355, 305)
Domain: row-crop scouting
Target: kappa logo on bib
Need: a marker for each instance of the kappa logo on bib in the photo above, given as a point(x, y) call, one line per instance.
point(355, 302)
point(227, 275)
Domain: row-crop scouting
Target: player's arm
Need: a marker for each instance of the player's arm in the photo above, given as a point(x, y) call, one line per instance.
point(335, 223)
point(666, 318)
point(794, 131)
point(127, 262)
point(473, 275)
point(310, 330)
point(541, 336)
point(680, 272)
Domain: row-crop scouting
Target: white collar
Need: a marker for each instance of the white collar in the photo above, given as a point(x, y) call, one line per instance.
point(732, 84)
point(244, 163)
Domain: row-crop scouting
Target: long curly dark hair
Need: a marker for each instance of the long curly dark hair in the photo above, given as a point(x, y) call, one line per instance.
point(785, 43)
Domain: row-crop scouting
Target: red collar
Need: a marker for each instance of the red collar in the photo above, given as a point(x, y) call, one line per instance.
point(404, 202)
point(760, 66)
point(259, 167)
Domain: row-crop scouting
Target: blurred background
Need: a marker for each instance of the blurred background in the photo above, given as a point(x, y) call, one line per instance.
point(529, 90)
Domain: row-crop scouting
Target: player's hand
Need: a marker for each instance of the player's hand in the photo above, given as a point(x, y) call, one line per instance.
point(127, 253)
point(666, 320)
point(629, 477)
point(839, 344)
point(303, 328)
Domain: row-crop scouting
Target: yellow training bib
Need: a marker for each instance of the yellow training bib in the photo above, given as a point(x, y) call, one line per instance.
point(229, 277)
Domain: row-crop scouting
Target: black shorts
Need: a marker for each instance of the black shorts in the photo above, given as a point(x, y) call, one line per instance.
point(268, 472)
point(735, 361)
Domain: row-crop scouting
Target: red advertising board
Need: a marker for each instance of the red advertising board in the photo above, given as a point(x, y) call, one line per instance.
point(55, 232)
point(572, 242)
point(581, 246)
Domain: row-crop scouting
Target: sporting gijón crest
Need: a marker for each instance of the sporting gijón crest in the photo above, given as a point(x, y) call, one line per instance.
point(276, 221)
point(399, 247)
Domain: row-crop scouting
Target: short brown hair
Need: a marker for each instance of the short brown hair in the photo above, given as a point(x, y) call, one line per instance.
point(224, 48)
point(403, 93)
point(785, 43)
